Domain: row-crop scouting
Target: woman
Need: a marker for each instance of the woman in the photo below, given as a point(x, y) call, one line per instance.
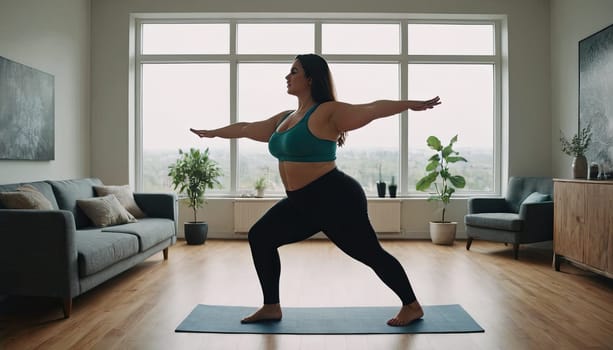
point(319, 196)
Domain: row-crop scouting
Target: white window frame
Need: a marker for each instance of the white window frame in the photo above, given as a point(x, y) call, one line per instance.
point(403, 58)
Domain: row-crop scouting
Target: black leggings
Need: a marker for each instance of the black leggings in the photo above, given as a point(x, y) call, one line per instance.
point(336, 205)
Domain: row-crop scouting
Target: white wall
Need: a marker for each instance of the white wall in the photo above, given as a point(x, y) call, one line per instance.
point(571, 21)
point(54, 37)
point(528, 111)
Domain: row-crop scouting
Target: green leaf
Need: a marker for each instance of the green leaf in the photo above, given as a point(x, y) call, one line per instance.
point(447, 151)
point(432, 165)
point(434, 143)
point(425, 182)
point(454, 159)
point(458, 181)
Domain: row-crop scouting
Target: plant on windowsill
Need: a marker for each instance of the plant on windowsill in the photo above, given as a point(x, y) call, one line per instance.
point(576, 147)
point(192, 173)
point(380, 184)
point(442, 232)
point(392, 187)
point(260, 185)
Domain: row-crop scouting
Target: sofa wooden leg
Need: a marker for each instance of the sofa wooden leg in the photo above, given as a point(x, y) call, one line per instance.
point(165, 252)
point(516, 251)
point(469, 241)
point(67, 306)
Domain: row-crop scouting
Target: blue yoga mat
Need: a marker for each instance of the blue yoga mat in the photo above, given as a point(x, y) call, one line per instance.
point(328, 320)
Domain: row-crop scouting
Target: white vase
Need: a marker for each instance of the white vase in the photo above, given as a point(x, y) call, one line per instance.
point(443, 232)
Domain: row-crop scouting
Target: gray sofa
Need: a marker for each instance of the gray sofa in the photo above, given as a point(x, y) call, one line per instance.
point(58, 253)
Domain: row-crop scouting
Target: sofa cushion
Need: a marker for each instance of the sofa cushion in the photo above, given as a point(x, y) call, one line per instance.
point(41, 186)
point(97, 250)
point(25, 197)
point(68, 191)
point(537, 197)
point(105, 211)
point(521, 187)
point(499, 221)
point(150, 231)
point(124, 196)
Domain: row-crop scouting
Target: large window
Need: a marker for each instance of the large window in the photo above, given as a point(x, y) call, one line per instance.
point(211, 72)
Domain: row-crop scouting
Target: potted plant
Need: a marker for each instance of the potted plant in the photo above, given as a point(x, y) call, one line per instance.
point(191, 175)
point(380, 184)
point(443, 231)
point(576, 147)
point(260, 185)
point(392, 187)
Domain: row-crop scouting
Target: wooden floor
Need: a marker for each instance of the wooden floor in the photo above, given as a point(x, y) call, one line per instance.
point(521, 304)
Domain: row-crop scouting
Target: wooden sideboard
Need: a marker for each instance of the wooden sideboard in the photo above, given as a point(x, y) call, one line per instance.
point(583, 224)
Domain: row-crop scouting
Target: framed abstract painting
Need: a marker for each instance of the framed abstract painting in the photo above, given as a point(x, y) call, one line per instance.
point(27, 112)
point(596, 96)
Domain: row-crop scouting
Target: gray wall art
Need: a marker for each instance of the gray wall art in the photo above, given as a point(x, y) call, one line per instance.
point(596, 95)
point(27, 112)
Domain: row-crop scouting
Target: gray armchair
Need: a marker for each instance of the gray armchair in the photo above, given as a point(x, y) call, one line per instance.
point(524, 215)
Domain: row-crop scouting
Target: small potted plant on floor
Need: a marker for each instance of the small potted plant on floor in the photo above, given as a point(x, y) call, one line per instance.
point(442, 231)
point(191, 175)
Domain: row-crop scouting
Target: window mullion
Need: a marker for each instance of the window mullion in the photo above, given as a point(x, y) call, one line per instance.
point(404, 122)
point(138, 98)
point(318, 39)
point(234, 171)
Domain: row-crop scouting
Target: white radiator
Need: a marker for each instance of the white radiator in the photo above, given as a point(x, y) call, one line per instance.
point(247, 211)
point(384, 213)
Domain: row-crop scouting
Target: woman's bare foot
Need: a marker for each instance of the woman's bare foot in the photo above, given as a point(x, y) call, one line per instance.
point(268, 312)
point(407, 314)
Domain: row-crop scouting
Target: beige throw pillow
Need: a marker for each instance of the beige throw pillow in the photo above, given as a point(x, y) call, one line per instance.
point(25, 197)
point(105, 211)
point(124, 196)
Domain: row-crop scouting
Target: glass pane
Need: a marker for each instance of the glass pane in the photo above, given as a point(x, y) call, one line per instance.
point(261, 94)
point(373, 39)
point(275, 38)
point(180, 38)
point(467, 109)
point(376, 144)
point(451, 39)
point(175, 98)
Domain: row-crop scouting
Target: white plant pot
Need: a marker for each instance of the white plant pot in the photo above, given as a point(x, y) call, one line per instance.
point(443, 232)
point(260, 193)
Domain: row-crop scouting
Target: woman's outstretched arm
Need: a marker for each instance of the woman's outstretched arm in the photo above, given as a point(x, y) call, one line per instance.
point(259, 131)
point(348, 117)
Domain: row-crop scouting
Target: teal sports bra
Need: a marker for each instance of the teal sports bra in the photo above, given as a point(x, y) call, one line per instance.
point(298, 144)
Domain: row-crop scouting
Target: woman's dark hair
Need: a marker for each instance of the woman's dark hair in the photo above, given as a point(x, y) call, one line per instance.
point(322, 88)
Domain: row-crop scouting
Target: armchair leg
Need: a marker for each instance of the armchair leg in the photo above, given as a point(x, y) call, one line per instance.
point(165, 252)
point(469, 241)
point(67, 306)
point(516, 251)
